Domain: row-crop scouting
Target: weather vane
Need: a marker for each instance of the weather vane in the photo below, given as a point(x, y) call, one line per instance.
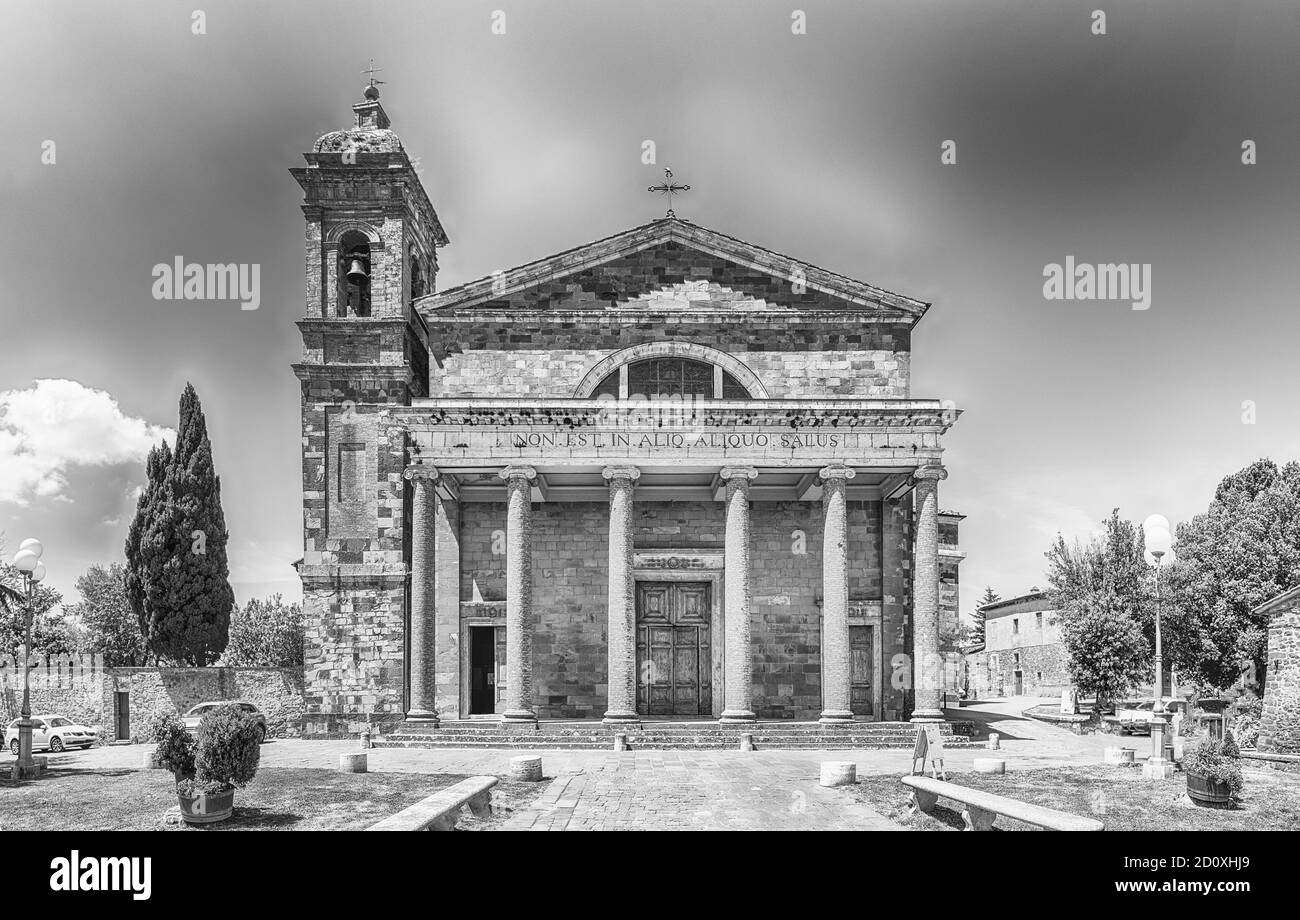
point(371, 71)
point(669, 188)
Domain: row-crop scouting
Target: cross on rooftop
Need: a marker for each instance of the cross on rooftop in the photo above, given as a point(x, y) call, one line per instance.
point(668, 188)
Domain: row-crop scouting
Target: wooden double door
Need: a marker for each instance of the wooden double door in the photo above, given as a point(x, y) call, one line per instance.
point(674, 648)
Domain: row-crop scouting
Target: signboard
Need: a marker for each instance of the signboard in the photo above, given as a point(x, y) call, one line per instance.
point(929, 747)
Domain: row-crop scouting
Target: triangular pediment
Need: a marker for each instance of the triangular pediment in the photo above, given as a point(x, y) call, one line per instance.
point(669, 266)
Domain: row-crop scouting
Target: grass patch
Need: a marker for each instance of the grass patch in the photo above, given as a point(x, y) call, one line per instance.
point(278, 799)
point(1117, 796)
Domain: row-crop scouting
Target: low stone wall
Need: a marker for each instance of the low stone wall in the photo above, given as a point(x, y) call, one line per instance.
point(277, 692)
point(84, 691)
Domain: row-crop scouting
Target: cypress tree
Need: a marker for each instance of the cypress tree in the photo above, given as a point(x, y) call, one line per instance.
point(176, 549)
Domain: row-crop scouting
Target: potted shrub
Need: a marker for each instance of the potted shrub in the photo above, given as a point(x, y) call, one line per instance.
point(210, 767)
point(1213, 771)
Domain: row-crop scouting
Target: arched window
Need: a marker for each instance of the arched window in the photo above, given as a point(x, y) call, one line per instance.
point(671, 376)
point(354, 275)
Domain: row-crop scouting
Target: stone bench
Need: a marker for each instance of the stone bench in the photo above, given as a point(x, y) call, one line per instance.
point(980, 808)
point(440, 811)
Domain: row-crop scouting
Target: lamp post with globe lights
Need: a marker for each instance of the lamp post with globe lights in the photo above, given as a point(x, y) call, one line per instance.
point(1158, 542)
point(28, 561)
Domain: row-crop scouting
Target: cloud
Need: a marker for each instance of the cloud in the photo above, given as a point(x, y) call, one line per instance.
point(55, 425)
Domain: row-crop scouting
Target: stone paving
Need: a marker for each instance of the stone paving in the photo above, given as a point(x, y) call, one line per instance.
point(681, 790)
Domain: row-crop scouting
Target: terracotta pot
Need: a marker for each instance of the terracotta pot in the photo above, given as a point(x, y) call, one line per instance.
point(206, 807)
point(1204, 791)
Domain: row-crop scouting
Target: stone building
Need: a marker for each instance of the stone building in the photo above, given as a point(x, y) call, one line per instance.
point(1022, 652)
point(665, 474)
point(1279, 727)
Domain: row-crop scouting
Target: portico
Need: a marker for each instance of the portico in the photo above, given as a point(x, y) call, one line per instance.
point(603, 463)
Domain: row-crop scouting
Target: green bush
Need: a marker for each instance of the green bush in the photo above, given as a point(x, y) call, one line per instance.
point(175, 747)
point(227, 751)
point(1215, 760)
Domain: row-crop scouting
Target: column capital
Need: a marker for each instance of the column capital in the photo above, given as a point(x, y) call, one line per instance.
point(510, 473)
point(742, 473)
point(422, 472)
point(934, 472)
point(832, 473)
point(613, 473)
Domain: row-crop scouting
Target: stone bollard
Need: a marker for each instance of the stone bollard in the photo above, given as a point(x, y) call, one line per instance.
point(746, 741)
point(620, 742)
point(839, 773)
point(1119, 755)
point(353, 762)
point(365, 740)
point(149, 761)
point(527, 768)
point(990, 765)
point(994, 742)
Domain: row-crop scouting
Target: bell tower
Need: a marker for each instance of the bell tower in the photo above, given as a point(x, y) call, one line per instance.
point(372, 240)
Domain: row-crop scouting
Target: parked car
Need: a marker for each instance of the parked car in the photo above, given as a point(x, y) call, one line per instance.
point(196, 713)
point(52, 732)
point(1136, 717)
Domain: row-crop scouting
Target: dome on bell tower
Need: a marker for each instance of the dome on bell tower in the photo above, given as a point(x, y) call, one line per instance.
point(370, 134)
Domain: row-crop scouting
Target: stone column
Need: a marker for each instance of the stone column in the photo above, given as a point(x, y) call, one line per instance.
point(925, 595)
point(519, 594)
point(836, 656)
point(423, 635)
point(738, 676)
point(621, 643)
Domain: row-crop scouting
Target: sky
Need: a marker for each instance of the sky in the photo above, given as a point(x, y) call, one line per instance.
point(1116, 147)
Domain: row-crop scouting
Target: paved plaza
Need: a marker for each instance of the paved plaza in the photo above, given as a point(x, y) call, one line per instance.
point(682, 790)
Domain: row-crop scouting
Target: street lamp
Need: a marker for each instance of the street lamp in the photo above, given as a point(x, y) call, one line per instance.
point(28, 561)
point(1157, 767)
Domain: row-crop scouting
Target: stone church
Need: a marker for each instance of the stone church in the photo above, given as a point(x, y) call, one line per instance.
point(665, 475)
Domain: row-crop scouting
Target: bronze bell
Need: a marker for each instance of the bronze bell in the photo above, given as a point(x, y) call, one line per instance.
point(357, 273)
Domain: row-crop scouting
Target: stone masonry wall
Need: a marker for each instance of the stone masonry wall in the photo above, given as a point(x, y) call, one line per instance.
point(277, 692)
point(84, 692)
point(1279, 729)
point(354, 655)
point(570, 558)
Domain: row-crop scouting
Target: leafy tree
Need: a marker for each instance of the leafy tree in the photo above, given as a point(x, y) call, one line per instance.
point(177, 576)
point(51, 632)
point(266, 633)
point(111, 626)
point(1242, 551)
point(990, 597)
point(1101, 591)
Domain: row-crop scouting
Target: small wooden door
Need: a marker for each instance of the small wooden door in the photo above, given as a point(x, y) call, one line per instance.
point(861, 673)
point(1020, 683)
point(674, 652)
point(122, 705)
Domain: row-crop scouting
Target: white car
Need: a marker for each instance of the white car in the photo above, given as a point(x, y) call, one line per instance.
point(54, 733)
point(1137, 718)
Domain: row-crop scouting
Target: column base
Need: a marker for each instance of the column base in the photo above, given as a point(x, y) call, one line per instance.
point(737, 717)
point(518, 717)
point(621, 717)
point(1161, 770)
point(423, 717)
point(927, 715)
point(835, 717)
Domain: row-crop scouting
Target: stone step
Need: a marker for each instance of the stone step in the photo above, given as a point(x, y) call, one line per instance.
point(536, 741)
point(676, 745)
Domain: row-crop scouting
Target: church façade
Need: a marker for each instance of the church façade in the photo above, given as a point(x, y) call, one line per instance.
point(668, 474)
